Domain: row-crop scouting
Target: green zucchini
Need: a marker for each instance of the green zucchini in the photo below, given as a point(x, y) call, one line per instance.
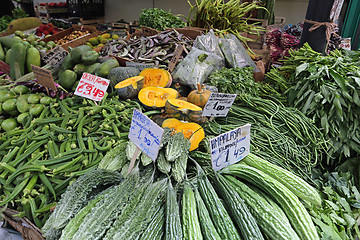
point(208, 229)
point(294, 183)
point(238, 210)
point(289, 202)
point(173, 230)
point(77, 196)
point(191, 225)
point(220, 217)
point(272, 222)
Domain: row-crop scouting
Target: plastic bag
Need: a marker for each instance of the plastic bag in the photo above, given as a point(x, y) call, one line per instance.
point(197, 66)
point(235, 53)
point(209, 43)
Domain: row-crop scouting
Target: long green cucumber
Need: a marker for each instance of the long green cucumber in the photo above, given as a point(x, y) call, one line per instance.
point(289, 202)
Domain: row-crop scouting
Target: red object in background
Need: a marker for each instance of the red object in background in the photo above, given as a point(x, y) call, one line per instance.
point(46, 29)
point(54, 4)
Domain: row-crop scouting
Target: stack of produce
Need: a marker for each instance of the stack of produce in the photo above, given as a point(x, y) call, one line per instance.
point(159, 19)
point(157, 49)
point(59, 140)
point(73, 36)
point(83, 59)
point(101, 40)
point(145, 205)
point(325, 89)
point(20, 55)
point(46, 30)
point(224, 17)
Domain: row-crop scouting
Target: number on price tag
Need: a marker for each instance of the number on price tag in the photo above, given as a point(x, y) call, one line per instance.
point(230, 147)
point(92, 87)
point(146, 134)
point(55, 56)
point(218, 105)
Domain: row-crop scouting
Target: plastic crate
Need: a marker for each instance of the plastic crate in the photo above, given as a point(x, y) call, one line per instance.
point(86, 9)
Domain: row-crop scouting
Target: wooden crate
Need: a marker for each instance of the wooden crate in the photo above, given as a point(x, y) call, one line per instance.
point(77, 42)
point(23, 225)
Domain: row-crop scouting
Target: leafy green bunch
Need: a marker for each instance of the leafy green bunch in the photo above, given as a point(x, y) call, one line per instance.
point(327, 90)
point(159, 19)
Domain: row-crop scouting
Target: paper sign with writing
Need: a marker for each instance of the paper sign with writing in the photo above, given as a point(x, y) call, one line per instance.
point(146, 134)
point(230, 147)
point(92, 87)
point(178, 51)
point(55, 56)
point(44, 77)
point(4, 67)
point(345, 43)
point(218, 105)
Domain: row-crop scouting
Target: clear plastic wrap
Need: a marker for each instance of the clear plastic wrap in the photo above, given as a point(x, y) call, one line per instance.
point(209, 43)
point(197, 66)
point(235, 53)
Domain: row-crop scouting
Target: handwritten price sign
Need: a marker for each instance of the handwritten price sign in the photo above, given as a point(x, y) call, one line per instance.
point(146, 134)
point(92, 87)
point(218, 105)
point(230, 147)
point(55, 56)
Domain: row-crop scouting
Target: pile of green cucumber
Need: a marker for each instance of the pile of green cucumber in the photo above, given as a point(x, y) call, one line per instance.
point(250, 200)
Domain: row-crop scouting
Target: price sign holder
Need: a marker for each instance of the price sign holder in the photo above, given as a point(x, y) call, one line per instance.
point(218, 105)
point(146, 135)
point(230, 147)
point(4, 67)
point(55, 56)
point(178, 51)
point(44, 77)
point(92, 87)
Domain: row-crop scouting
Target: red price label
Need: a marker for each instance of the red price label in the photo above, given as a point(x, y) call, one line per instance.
point(92, 87)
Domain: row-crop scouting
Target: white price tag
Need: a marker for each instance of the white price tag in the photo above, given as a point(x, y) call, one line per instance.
point(230, 147)
point(146, 134)
point(92, 87)
point(55, 56)
point(218, 105)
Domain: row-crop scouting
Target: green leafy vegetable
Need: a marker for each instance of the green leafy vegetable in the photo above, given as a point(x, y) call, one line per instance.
point(159, 19)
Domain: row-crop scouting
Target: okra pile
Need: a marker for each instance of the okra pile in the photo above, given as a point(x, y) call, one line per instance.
point(67, 139)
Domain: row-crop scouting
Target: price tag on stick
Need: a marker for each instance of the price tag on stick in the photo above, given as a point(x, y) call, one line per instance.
point(178, 51)
point(44, 77)
point(230, 147)
point(218, 105)
point(92, 87)
point(146, 135)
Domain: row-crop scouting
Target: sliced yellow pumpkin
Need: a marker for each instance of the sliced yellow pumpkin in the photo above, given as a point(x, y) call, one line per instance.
point(129, 88)
point(192, 131)
point(183, 110)
point(171, 123)
point(156, 97)
point(155, 77)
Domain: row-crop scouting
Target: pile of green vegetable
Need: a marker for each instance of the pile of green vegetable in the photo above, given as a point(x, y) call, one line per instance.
point(326, 89)
point(145, 205)
point(224, 17)
point(6, 19)
point(58, 141)
point(159, 19)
